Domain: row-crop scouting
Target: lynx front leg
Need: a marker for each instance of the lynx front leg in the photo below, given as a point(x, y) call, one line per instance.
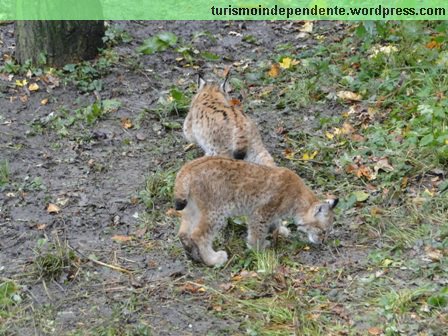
point(203, 236)
point(258, 229)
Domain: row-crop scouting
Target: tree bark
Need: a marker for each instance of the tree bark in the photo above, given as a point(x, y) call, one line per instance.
point(60, 42)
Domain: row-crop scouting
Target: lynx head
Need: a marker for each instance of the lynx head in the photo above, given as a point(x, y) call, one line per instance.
point(318, 220)
point(212, 87)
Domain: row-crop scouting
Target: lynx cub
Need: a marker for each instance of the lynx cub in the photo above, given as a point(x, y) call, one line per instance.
point(221, 128)
point(208, 190)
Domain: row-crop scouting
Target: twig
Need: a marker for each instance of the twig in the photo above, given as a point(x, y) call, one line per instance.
point(46, 290)
point(117, 268)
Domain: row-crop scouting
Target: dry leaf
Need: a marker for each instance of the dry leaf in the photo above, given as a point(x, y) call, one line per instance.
point(348, 95)
point(374, 331)
point(21, 83)
point(289, 153)
point(274, 71)
point(44, 101)
point(383, 164)
point(41, 226)
point(33, 87)
point(357, 138)
point(53, 208)
point(433, 45)
point(192, 288)
point(140, 232)
point(309, 156)
point(347, 128)
point(329, 135)
point(288, 62)
point(307, 27)
point(23, 98)
point(433, 254)
point(121, 238)
point(126, 123)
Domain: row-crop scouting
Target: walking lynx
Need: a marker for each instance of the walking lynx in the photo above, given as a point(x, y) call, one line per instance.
point(211, 189)
point(220, 128)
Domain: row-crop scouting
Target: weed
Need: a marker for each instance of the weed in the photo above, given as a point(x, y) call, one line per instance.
point(158, 189)
point(4, 173)
point(53, 259)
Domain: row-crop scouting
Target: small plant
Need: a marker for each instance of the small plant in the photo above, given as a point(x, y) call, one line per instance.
point(53, 259)
point(159, 189)
point(159, 42)
point(4, 173)
point(8, 295)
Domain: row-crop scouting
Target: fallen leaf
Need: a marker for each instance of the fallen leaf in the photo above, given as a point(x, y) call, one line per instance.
point(404, 182)
point(217, 308)
point(126, 123)
point(140, 232)
point(348, 95)
point(33, 87)
point(433, 254)
point(329, 135)
point(347, 128)
point(121, 238)
point(383, 164)
point(44, 101)
point(387, 262)
point(53, 208)
point(357, 138)
point(309, 156)
point(307, 27)
point(289, 153)
point(192, 288)
point(41, 226)
point(288, 62)
point(366, 172)
point(433, 45)
point(23, 98)
point(274, 71)
point(374, 331)
point(361, 196)
point(21, 83)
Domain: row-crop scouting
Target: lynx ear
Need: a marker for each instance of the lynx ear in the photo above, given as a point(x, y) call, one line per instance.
point(201, 82)
point(224, 84)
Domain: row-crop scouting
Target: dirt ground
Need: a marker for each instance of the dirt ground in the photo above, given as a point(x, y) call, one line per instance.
point(95, 175)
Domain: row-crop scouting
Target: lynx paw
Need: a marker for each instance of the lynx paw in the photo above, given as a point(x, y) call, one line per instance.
point(219, 258)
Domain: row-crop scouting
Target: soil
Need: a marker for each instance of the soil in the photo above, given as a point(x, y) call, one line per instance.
point(95, 174)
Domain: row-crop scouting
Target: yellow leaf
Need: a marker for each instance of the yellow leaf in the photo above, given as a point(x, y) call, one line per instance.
point(347, 128)
point(348, 95)
point(126, 123)
point(446, 142)
point(53, 208)
point(309, 156)
point(307, 27)
point(274, 71)
point(329, 135)
point(44, 101)
point(387, 262)
point(288, 62)
point(33, 87)
point(121, 238)
point(21, 83)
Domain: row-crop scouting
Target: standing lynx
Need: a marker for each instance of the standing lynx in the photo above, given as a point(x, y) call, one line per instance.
point(211, 189)
point(220, 128)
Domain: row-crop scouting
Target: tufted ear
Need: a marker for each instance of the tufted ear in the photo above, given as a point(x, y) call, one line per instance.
point(224, 84)
point(201, 82)
point(332, 202)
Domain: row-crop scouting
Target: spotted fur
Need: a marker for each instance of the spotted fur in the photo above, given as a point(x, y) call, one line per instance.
point(216, 188)
point(221, 128)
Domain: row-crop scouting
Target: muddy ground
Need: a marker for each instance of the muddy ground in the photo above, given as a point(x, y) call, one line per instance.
point(94, 174)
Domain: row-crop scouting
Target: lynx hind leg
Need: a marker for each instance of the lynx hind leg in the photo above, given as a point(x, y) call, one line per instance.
point(257, 232)
point(203, 236)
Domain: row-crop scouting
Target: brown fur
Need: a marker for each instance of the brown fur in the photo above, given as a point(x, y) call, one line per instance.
point(223, 129)
point(213, 189)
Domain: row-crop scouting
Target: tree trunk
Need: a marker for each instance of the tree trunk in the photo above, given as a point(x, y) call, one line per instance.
point(57, 43)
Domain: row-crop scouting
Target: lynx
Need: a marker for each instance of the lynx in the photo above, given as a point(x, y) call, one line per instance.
point(220, 128)
point(209, 190)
